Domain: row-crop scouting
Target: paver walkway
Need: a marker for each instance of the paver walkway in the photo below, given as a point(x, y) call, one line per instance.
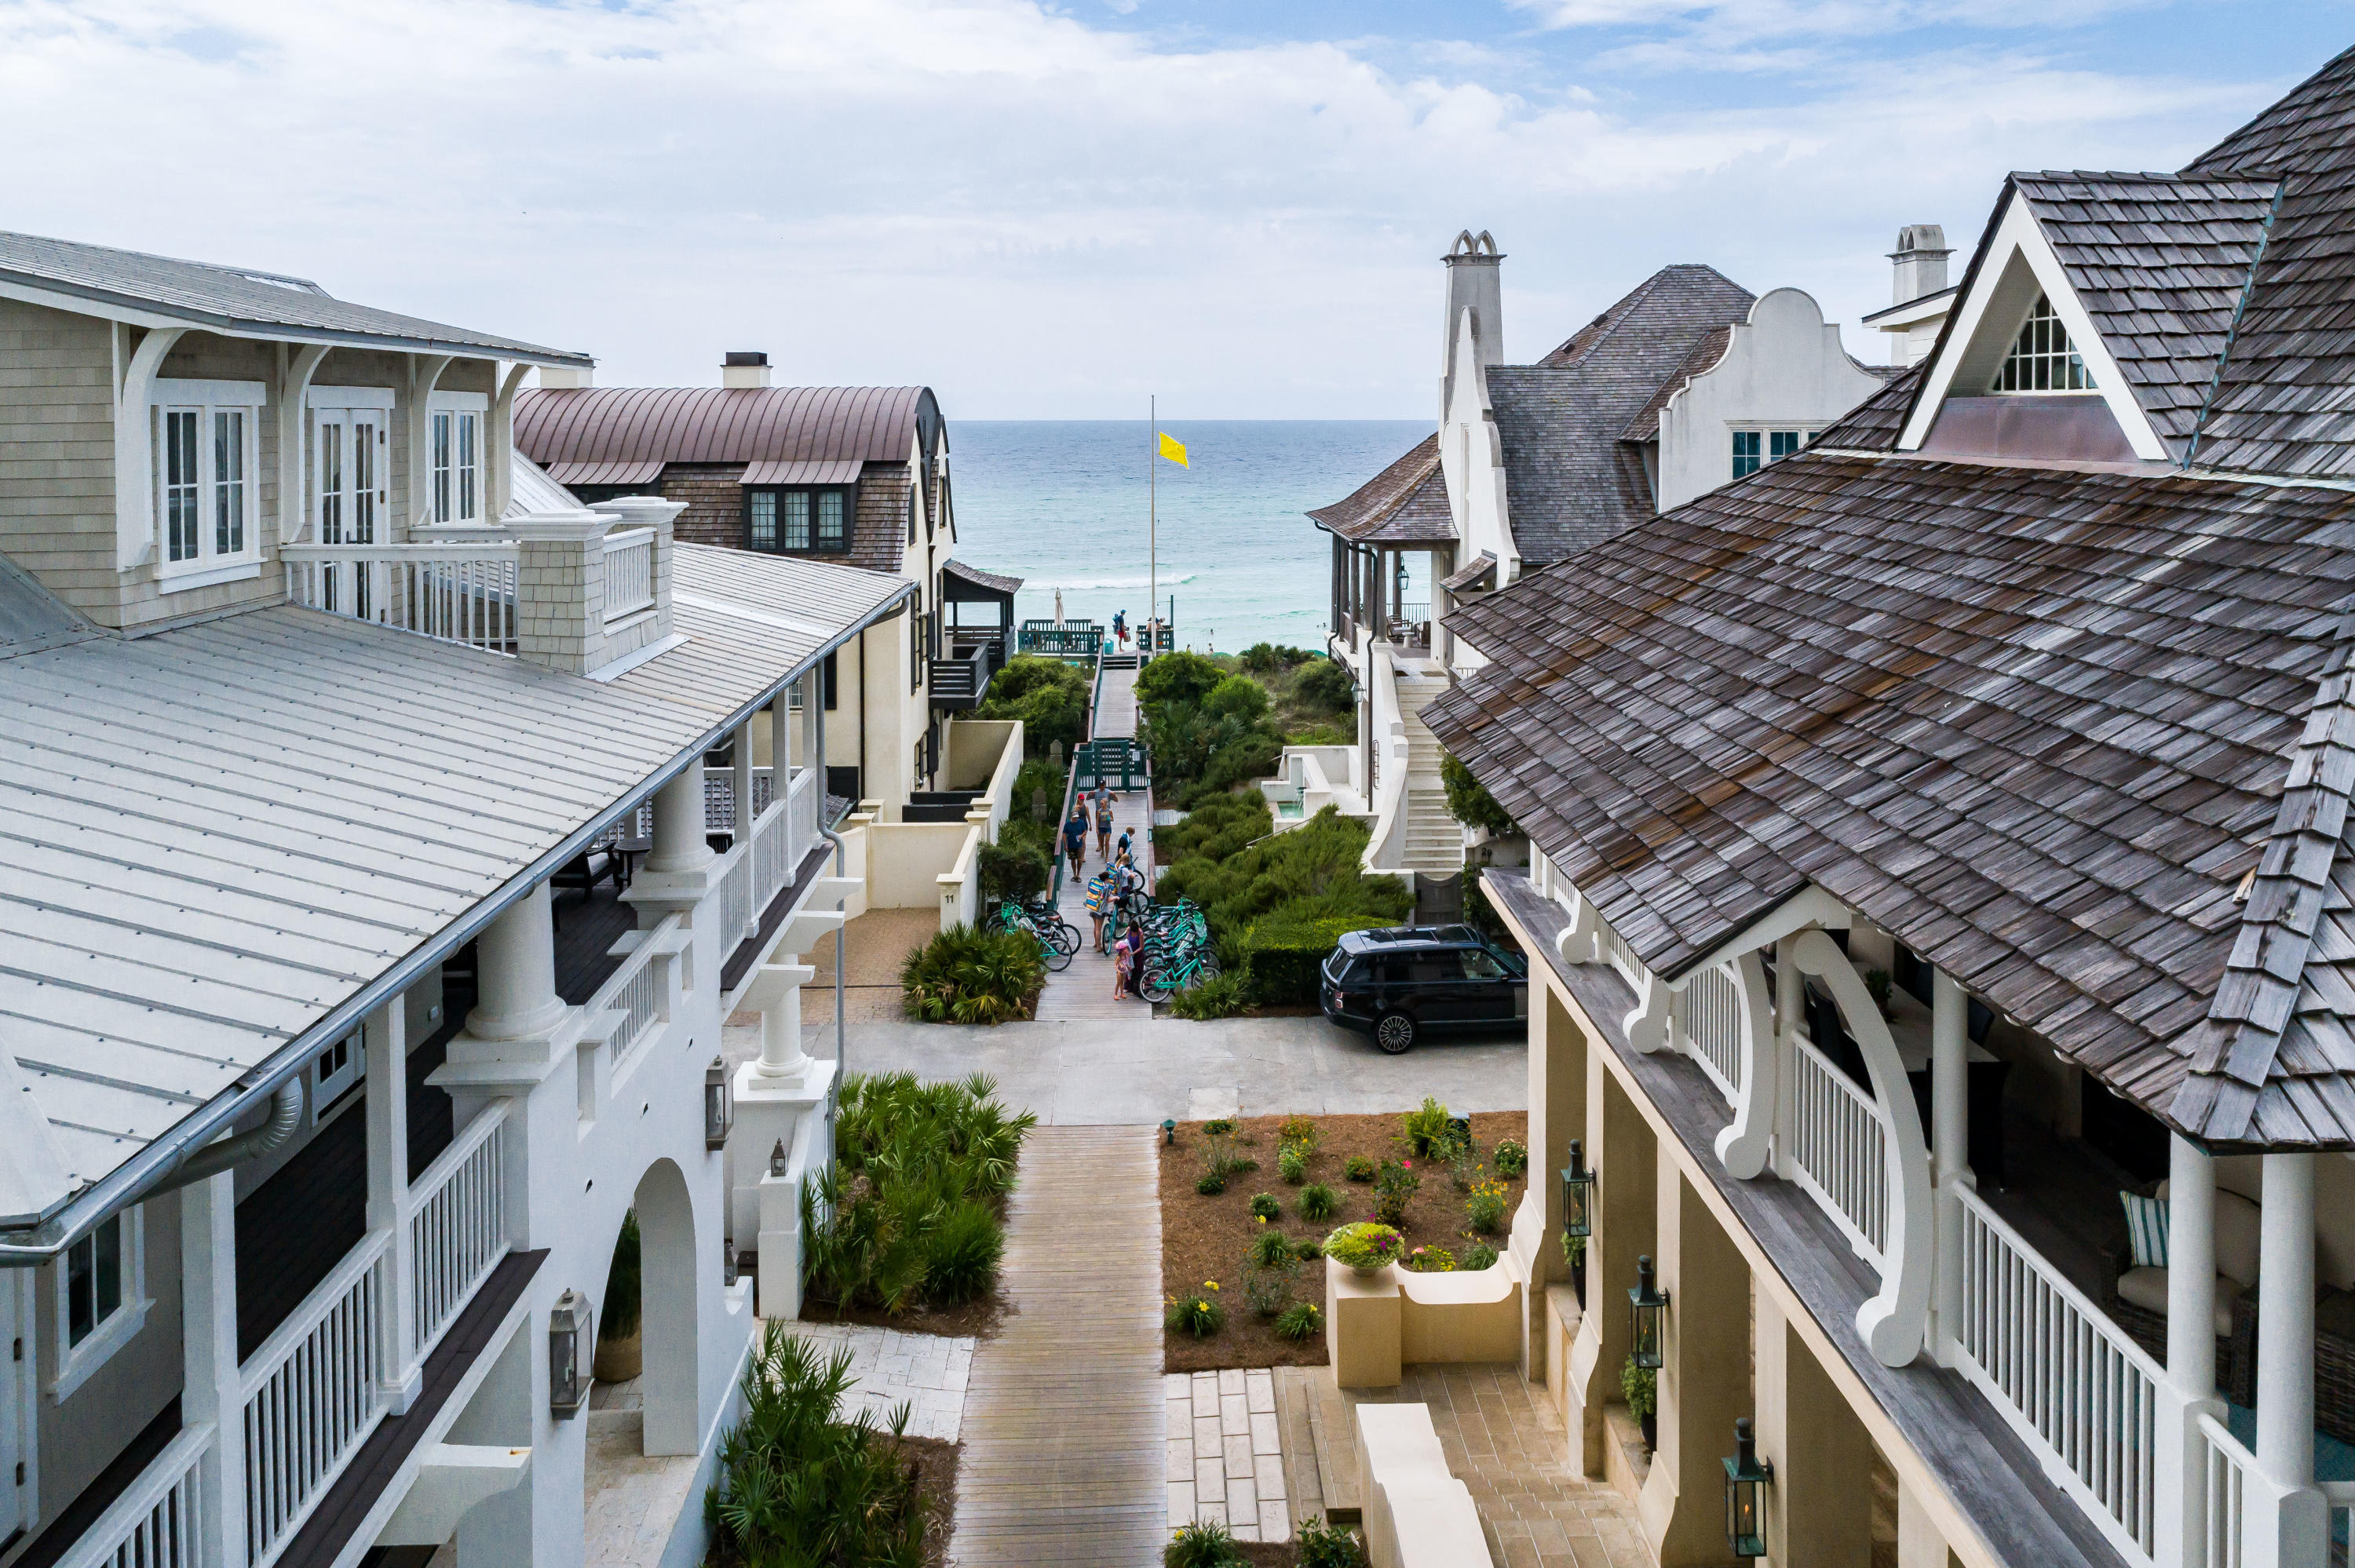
point(1226, 1452)
point(1063, 1417)
point(926, 1373)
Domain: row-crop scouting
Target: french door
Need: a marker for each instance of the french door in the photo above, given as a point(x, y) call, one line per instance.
point(349, 459)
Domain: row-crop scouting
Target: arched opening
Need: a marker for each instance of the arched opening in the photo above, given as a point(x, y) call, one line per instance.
point(668, 1310)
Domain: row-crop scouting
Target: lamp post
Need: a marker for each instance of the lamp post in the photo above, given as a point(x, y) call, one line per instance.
point(1747, 1477)
point(1647, 1313)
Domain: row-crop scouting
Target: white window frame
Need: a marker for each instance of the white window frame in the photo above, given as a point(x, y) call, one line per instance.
point(77, 1363)
point(453, 490)
point(208, 401)
point(329, 1086)
point(1766, 430)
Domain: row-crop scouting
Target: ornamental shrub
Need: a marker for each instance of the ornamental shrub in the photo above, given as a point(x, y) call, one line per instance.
point(1269, 1248)
point(1263, 1206)
point(1211, 1182)
point(1364, 1245)
point(1511, 1158)
point(1317, 1202)
point(1300, 1132)
point(1013, 869)
point(1323, 1545)
point(1267, 1291)
point(970, 976)
point(1469, 802)
point(1195, 1314)
point(1049, 696)
point(1292, 1164)
point(1481, 1255)
point(1198, 1546)
point(1424, 1126)
point(1429, 1260)
point(1486, 1207)
point(1394, 1184)
point(1222, 995)
point(1307, 1251)
point(1640, 1386)
point(1359, 1168)
point(1325, 684)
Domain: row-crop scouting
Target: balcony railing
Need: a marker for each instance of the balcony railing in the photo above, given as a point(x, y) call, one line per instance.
point(1711, 1029)
point(2225, 1468)
point(1839, 1146)
point(629, 573)
point(457, 1226)
point(2070, 1383)
point(634, 1000)
point(155, 1523)
point(463, 593)
point(313, 1394)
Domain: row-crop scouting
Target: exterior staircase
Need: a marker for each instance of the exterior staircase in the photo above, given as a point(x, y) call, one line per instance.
point(1434, 838)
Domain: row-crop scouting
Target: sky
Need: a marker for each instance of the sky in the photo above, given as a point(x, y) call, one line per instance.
point(1055, 210)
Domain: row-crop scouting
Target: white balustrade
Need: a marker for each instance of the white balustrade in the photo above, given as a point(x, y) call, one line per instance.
point(154, 1524)
point(736, 905)
point(771, 866)
point(461, 593)
point(802, 797)
point(719, 796)
point(2338, 1499)
point(1621, 956)
point(2223, 1475)
point(639, 990)
point(313, 1394)
point(1840, 1148)
point(2073, 1385)
point(457, 1226)
point(1710, 1028)
point(629, 573)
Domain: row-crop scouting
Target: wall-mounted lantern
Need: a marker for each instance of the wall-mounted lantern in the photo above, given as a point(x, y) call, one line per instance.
point(1746, 1480)
point(1647, 1315)
point(777, 1159)
point(718, 1104)
point(1577, 1195)
point(727, 1263)
point(570, 1343)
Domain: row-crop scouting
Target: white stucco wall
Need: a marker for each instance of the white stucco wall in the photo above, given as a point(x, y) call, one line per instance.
point(1784, 369)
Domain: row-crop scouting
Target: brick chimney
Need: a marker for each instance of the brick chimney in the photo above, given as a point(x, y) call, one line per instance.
point(744, 367)
point(1920, 263)
point(589, 589)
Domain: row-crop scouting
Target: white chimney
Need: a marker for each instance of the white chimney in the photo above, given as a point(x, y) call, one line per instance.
point(1920, 261)
point(566, 378)
point(1472, 284)
point(744, 367)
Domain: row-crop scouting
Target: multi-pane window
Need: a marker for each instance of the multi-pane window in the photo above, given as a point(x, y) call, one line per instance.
point(817, 521)
point(454, 449)
point(93, 1280)
point(335, 1071)
point(2043, 359)
point(207, 510)
point(101, 1298)
point(1753, 450)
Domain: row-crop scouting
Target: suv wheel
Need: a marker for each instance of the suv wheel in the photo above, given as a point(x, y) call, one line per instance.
point(1395, 1034)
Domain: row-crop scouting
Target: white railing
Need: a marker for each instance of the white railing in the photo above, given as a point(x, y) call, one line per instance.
point(313, 1394)
point(2338, 1517)
point(455, 593)
point(803, 797)
point(2225, 1468)
point(2074, 1387)
point(1711, 1027)
point(457, 1226)
point(719, 796)
point(638, 990)
point(1621, 956)
point(629, 573)
point(736, 910)
point(1840, 1147)
point(154, 1524)
point(772, 865)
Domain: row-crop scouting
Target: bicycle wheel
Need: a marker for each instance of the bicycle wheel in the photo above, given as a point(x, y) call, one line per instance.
point(1056, 960)
point(1154, 984)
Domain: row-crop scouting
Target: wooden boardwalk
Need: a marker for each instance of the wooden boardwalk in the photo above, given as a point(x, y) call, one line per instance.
point(1115, 704)
point(1084, 990)
point(1064, 1442)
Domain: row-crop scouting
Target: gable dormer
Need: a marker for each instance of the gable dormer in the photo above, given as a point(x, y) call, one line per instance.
point(2090, 324)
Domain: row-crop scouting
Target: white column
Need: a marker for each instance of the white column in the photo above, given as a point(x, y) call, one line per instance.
point(1949, 1154)
point(679, 844)
point(213, 1388)
point(516, 970)
point(743, 784)
point(386, 1038)
point(2285, 1321)
point(2190, 1391)
point(780, 775)
point(1788, 989)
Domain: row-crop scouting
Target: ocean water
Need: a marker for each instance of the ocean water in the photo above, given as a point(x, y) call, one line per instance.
point(1061, 504)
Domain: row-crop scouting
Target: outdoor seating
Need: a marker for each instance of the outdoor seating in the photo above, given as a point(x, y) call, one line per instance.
point(2136, 1299)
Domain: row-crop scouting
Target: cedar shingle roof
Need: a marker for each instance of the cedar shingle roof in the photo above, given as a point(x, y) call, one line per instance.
point(1874, 425)
point(2033, 722)
point(1406, 504)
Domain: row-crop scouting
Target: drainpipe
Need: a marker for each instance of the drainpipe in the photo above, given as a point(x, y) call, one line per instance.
point(285, 1119)
point(841, 867)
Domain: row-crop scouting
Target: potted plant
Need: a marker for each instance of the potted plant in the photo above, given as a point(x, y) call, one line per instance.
point(1573, 1251)
point(1366, 1248)
point(1641, 1385)
point(621, 1352)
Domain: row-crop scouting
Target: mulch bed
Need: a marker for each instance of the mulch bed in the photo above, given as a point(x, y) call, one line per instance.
point(980, 1318)
point(936, 1483)
point(1206, 1238)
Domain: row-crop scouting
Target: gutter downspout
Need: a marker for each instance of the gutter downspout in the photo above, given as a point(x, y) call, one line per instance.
point(286, 1120)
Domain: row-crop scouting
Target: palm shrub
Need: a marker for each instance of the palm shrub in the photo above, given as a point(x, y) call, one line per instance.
point(969, 975)
point(908, 1211)
point(1424, 1126)
point(797, 1484)
point(1222, 995)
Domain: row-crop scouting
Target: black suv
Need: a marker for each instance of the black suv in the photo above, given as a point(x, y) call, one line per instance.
point(1403, 980)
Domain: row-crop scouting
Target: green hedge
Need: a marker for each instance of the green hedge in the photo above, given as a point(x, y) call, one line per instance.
point(1285, 959)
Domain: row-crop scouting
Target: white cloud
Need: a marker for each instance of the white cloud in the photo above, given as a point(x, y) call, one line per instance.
point(1032, 215)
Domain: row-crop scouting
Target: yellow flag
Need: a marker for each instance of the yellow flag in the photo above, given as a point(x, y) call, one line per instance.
point(1174, 450)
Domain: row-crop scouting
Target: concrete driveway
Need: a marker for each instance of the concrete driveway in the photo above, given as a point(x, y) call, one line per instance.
point(1099, 1072)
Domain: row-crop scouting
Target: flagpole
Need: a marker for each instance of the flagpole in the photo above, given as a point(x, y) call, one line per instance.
point(1152, 515)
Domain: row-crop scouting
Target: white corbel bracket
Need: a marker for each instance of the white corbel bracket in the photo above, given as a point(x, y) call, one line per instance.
point(452, 1480)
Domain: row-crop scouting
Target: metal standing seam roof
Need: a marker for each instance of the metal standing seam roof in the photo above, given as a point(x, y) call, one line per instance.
point(719, 424)
point(240, 300)
point(2039, 724)
point(218, 838)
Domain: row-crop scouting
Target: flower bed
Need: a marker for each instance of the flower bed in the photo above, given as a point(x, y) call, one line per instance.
point(1208, 1237)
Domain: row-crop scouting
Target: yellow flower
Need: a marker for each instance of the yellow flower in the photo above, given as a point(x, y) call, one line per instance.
point(1260, 1218)
point(1210, 1283)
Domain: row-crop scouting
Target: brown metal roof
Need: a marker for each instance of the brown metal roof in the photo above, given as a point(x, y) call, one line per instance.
point(628, 471)
point(717, 424)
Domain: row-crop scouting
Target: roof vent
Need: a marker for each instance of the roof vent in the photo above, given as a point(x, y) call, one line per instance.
point(744, 367)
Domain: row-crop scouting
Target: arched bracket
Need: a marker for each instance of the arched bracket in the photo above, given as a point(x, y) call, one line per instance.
point(294, 406)
point(1743, 1148)
point(1577, 941)
point(1647, 1024)
point(135, 448)
point(1893, 1323)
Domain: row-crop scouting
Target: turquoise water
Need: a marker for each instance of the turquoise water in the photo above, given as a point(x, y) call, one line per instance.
point(1061, 503)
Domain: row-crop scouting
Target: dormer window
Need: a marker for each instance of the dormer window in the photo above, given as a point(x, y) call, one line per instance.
point(2043, 359)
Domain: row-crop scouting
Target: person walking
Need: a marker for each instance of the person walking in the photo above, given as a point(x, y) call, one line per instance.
point(1102, 798)
point(1075, 838)
point(1127, 953)
point(1101, 893)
